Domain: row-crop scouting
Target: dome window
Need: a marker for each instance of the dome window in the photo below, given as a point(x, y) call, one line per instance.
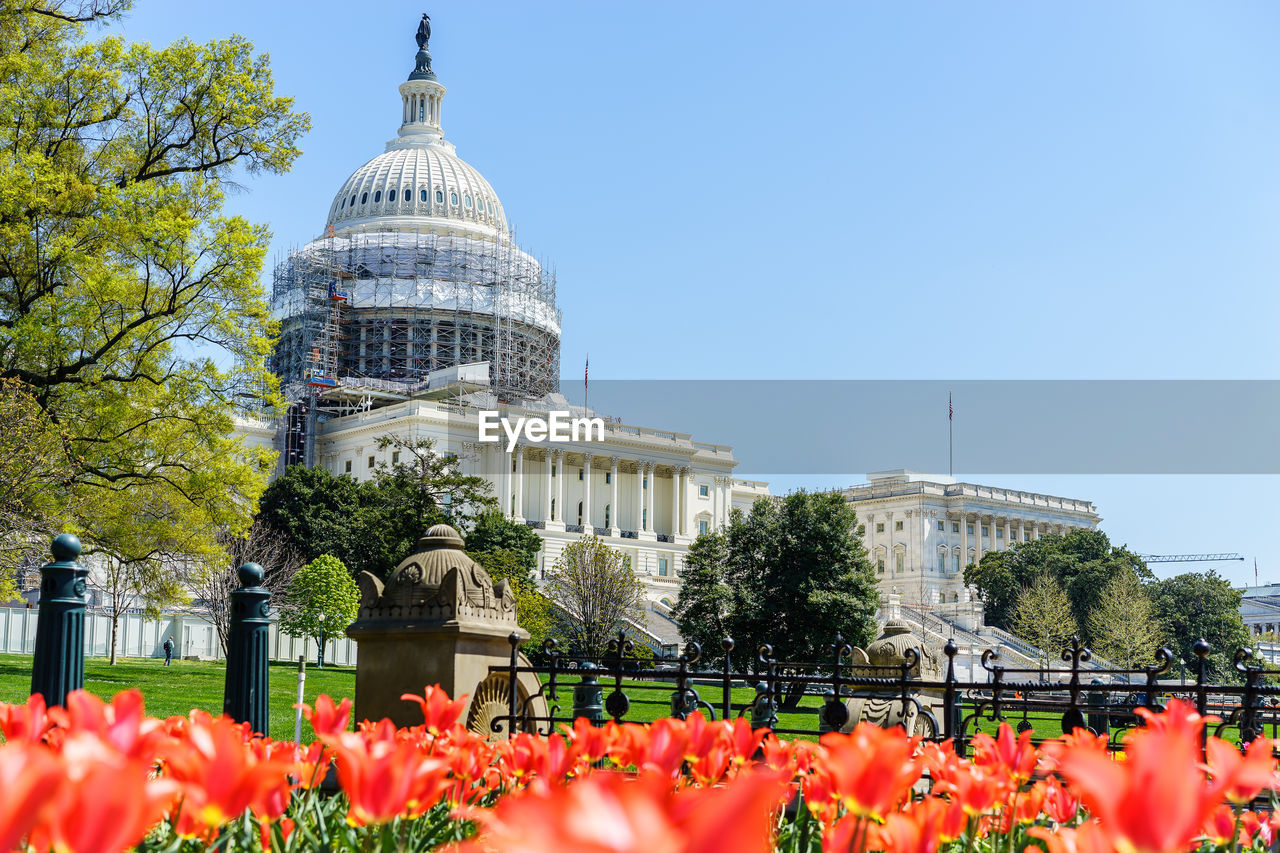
point(439, 197)
point(466, 201)
point(343, 204)
point(391, 196)
point(453, 199)
point(364, 196)
point(422, 196)
point(377, 196)
point(353, 199)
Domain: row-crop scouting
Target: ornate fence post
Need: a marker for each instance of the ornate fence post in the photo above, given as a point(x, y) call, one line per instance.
point(246, 692)
point(588, 696)
point(58, 667)
point(764, 715)
point(950, 723)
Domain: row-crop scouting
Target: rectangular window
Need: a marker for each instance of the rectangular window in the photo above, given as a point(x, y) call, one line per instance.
point(395, 457)
point(662, 567)
point(986, 531)
point(899, 560)
point(348, 466)
point(941, 526)
point(897, 525)
point(370, 461)
point(580, 473)
point(955, 563)
point(955, 527)
point(702, 527)
point(999, 532)
point(704, 491)
point(969, 529)
point(879, 527)
point(646, 482)
point(1026, 536)
point(553, 470)
point(879, 565)
point(942, 562)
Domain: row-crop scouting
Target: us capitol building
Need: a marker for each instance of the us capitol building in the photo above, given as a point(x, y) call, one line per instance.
point(415, 310)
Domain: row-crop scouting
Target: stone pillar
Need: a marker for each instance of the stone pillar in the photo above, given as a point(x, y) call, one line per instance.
point(651, 522)
point(439, 619)
point(246, 688)
point(675, 502)
point(639, 522)
point(546, 490)
point(686, 505)
point(587, 524)
point(613, 497)
point(58, 667)
point(964, 540)
point(518, 511)
point(977, 538)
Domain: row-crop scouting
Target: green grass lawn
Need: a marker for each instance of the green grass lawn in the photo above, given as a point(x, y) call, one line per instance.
point(177, 689)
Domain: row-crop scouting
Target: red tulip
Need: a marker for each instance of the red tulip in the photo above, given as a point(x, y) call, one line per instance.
point(1242, 776)
point(29, 776)
point(871, 768)
point(439, 713)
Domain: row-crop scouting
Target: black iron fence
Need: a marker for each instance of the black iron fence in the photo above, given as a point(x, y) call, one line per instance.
point(920, 692)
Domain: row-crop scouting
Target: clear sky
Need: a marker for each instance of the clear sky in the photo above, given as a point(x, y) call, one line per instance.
point(922, 190)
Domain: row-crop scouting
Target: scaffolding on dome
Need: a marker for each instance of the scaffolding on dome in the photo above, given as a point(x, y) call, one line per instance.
point(377, 312)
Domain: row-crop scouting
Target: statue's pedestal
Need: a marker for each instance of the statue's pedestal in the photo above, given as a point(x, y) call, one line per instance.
point(438, 620)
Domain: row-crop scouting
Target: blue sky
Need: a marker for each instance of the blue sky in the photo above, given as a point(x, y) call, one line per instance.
point(995, 190)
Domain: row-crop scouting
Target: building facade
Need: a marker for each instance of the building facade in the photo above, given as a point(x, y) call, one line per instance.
point(921, 530)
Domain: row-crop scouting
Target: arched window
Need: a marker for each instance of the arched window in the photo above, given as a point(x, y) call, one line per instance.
point(439, 197)
point(405, 195)
point(422, 196)
point(453, 199)
point(353, 199)
point(466, 201)
point(377, 196)
point(364, 196)
point(391, 196)
point(344, 204)
point(579, 512)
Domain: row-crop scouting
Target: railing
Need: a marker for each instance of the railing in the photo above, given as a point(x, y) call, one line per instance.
point(934, 707)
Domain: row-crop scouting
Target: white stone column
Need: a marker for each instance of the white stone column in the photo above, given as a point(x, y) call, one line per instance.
point(638, 526)
point(613, 497)
point(650, 503)
point(546, 489)
point(686, 504)
point(502, 480)
point(977, 538)
point(518, 514)
point(586, 494)
point(964, 541)
point(560, 512)
point(676, 475)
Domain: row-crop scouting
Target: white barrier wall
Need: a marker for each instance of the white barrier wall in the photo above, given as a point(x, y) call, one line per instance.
point(137, 637)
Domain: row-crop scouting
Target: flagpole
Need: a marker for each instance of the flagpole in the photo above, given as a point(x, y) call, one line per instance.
point(586, 373)
point(951, 444)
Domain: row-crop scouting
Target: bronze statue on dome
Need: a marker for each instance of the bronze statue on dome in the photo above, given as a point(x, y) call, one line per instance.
point(424, 31)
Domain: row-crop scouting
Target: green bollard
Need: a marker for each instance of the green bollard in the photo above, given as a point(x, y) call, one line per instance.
point(58, 667)
point(588, 696)
point(246, 692)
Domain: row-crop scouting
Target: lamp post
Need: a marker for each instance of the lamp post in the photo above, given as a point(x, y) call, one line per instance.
point(320, 653)
point(1182, 668)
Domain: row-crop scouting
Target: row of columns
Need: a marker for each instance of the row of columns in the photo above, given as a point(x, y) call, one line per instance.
point(554, 460)
point(1001, 532)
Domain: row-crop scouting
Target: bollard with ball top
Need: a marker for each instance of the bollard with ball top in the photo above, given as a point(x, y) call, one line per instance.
point(245, 696)
point(59, 660)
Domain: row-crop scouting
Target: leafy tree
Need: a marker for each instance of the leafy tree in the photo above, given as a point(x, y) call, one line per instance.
point(318, 513)
point(1082, 561)
point(792, 573)
point(1199, 605)
point(1123, 625)
point(495, 532)
point(597, 592)
point(130, 303)
point(533, 609)
point(702, 610)
point(1042, 616)
point(322, 600)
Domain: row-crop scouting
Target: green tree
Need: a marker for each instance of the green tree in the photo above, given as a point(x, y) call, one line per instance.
point(1042, 616)
point(1082, 561)
point(533, 609)
point(494, 532)
point(702, 609)
point(130, 302)
point(597, 593)
point(322, 600)
point(319, 513)
point(1123, 624)
point(1200, 605)
point(419, 488)
point(793, 573)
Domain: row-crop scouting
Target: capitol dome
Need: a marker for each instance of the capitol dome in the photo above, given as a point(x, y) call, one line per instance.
point(416, 272)
point(418, 184)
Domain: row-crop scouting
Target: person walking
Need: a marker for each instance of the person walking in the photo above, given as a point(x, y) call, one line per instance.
point(168, 651)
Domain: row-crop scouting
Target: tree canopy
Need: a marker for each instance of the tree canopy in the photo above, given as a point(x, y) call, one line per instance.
point(597, 591)
point(320, 601)
point(130, 305)
point(792, 573)
point(1199, 605)
point(1082, 561)
point(1042, 616)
